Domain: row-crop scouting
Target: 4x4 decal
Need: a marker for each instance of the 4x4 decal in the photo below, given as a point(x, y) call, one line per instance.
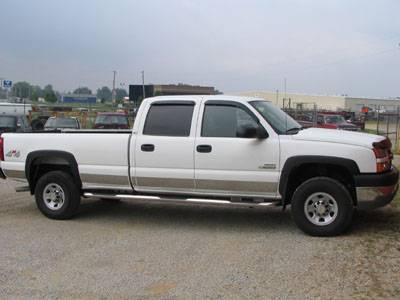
point(13, 153)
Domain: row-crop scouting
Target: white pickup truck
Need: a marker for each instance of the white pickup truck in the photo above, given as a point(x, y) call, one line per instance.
point(220, 150)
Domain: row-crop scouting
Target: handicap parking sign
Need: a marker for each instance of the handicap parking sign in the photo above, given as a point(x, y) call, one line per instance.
point(7, 83)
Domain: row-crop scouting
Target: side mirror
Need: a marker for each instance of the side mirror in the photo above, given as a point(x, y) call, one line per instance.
point(261, 132)
point(250, 131)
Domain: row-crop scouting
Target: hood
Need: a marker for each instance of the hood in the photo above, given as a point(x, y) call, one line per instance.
point(338, 136)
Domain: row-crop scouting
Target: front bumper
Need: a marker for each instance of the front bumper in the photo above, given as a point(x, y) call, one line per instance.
point(376, 190)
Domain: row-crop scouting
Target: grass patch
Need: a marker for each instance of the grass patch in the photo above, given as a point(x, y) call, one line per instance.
point(372, 131)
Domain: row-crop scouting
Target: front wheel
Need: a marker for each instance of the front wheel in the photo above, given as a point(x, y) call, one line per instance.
point(57, 196)
point(322, 206)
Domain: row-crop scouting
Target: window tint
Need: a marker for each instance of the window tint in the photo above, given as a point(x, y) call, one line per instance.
point(224, 121)
point(169, 120)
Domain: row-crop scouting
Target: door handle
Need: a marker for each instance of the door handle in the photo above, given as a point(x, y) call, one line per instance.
point(204, 148)
point(147, 147)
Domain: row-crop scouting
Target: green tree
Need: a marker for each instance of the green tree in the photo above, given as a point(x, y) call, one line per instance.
point(104, 94)
point(49, 94)
point(21, 89)
point(36, 92)
point(83, 90)
point(120, 94)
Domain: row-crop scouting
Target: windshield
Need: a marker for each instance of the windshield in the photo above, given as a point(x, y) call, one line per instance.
point(335, 119)
point(112, 119)
point(7, 121)
point(279, 120)
point(61, 123)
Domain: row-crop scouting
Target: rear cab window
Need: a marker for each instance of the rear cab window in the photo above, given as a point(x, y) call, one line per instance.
point(169, 118)
point(111, 119)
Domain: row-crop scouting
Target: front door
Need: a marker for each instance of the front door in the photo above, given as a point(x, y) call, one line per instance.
point(229, 165)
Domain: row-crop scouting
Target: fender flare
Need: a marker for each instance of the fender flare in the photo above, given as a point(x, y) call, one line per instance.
point(296, 161)
point(37, 155)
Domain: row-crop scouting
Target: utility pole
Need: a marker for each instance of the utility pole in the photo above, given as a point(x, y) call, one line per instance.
point(284, 85)
point(113, 90)
point(143, 90)
point(284, 92)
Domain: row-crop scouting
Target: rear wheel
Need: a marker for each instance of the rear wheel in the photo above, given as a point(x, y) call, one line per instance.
point(322, 206)
point(57, 196)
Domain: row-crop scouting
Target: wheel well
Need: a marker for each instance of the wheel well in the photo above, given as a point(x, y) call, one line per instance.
point(42, 165)
point(303, 172)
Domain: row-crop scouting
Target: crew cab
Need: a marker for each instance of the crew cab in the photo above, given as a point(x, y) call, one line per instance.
point(217, 150)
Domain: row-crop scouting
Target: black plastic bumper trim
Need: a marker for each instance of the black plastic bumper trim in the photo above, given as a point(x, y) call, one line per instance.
point(377, 179)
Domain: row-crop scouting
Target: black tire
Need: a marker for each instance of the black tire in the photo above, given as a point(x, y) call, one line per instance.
point(310, 190)
point(70, 192)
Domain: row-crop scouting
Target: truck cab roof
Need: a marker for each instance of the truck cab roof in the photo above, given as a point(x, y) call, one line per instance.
point(199, 98)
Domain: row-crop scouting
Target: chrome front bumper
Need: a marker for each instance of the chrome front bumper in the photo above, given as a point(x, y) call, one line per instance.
point(376, 190)
point(374, 197)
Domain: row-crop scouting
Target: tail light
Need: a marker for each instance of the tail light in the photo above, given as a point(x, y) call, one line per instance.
point(383, 154)
point(1, 148)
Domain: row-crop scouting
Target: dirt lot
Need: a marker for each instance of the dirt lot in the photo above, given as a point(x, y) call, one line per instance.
point(144, 251)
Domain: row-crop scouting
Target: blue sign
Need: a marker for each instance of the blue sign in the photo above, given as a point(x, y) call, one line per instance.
point(79, 99)
point(7, 83)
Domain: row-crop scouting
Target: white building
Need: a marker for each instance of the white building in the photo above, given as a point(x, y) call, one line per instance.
point(325, 101)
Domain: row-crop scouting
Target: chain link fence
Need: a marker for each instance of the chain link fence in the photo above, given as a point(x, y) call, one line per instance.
point(380, 120)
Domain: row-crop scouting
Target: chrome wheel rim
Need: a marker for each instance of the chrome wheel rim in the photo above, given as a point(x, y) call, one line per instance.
point(53, 196)
point(321, 209)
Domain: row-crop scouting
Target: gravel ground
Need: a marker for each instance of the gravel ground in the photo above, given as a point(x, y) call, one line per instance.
point(147, 251)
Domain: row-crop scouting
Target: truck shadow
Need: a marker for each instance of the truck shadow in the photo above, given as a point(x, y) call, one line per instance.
point(204, 217)
point(187, 215)
point(383, 221)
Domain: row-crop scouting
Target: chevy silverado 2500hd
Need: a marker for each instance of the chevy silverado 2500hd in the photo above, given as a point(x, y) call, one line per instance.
point(208, 149)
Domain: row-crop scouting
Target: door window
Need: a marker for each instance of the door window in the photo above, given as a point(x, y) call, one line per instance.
point(224, 121)
point(169, 120)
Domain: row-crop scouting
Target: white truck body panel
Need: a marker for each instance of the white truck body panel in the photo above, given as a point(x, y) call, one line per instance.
point(102, 158)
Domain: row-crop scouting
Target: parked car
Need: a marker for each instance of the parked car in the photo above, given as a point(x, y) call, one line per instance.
point(216, 150)
point(335, 122)
point(54, 123)
point(14, 123)
point(111, 120)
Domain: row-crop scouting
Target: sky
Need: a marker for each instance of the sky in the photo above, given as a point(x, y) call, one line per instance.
point(331, 47)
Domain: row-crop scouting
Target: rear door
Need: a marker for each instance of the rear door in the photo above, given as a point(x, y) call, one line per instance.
point(229, 165)
point(164, 159)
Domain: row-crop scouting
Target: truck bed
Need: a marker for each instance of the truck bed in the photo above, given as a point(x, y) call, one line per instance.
point(102, 155)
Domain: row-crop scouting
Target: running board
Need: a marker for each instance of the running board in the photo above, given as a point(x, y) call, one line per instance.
point(163, 199)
